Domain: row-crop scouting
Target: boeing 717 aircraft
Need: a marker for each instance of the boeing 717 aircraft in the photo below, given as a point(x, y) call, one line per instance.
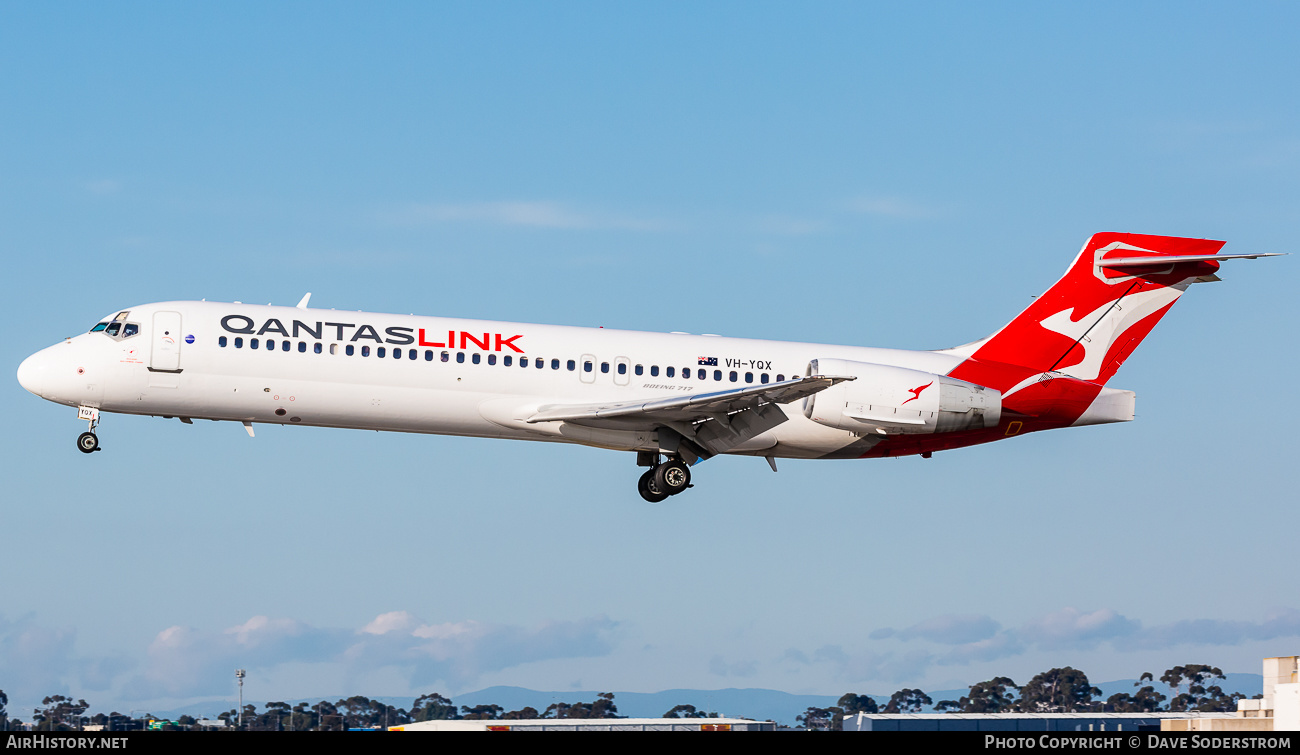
point(672, 398)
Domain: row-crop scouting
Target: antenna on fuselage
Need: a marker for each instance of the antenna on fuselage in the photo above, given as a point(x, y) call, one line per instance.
point(303, 304)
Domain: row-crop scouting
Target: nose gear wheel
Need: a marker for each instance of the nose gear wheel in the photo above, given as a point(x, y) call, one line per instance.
point(87, 443)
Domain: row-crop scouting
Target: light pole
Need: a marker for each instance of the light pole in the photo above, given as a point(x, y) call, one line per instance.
point(239, 676)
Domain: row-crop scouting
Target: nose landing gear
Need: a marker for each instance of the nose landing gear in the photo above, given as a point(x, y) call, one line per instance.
point(88, 442)
point(664, 479)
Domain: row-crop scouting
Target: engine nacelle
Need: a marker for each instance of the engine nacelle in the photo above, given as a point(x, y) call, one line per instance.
point(894, 400)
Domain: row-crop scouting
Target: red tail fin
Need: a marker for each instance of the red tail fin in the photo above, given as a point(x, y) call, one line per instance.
point(1087, 324)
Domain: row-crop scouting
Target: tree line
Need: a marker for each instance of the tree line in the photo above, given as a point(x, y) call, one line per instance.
point(59, 713)
point(1060, 690)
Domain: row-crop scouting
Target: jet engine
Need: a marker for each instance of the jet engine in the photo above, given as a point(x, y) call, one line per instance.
point(894, 400)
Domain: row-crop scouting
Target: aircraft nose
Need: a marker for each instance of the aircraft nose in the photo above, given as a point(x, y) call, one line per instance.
point(31, 373)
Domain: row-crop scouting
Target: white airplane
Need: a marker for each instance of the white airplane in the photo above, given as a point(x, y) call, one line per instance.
point(673, 398)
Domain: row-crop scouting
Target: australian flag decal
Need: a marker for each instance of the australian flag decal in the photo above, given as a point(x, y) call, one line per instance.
point(708, 361)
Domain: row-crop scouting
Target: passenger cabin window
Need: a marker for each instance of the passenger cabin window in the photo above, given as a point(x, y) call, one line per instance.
point(622, 368)
point(492, 358)
point(539, 363)
point(460, 357)
point(381, 352)
point(668, 372)
point(604, 367)
point(412, 354)
point(445, 356)
point(221, 342)
point(318, 347)
point(239, 342)
point(365, 351)
point(428, 355)
point(302, 347)
point(654, 370)
point(476, 358)
point(732, 376)
point(507, 360)
point(763, 378)
point(350, 350)
point(252, 343)
point(638, 370)
point(586, 366)
point(285, 346)
point(572, 365)
point(555, 364)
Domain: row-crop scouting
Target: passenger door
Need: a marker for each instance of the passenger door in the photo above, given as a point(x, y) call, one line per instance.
point(165, 355)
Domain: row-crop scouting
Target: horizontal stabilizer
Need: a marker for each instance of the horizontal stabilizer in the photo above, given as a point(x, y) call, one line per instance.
point(1165, 259)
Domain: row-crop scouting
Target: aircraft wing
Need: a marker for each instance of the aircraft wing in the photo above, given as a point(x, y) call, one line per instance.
point(696, 425)
point(690, 407)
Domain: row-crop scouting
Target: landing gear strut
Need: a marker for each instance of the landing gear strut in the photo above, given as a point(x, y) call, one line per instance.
point(664, 479)
point(88, 442)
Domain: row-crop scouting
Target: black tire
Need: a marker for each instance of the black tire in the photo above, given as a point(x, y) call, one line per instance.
point(87, 443)
point(646, 487)
point(672, 477)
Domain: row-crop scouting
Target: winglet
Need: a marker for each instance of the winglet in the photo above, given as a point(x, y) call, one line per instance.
point(303, 304)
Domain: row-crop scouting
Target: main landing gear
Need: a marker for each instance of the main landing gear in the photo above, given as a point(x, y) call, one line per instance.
point(88, 442)
point(664, 479)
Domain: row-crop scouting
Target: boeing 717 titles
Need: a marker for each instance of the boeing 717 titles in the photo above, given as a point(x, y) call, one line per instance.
point(673, 399)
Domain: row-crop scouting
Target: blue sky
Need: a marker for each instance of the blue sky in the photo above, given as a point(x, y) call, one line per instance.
point(842, 173)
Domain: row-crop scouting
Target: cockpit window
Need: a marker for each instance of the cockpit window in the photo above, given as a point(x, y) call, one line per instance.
point(117, 328)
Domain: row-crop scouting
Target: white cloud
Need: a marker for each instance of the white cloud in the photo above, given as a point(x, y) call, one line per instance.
point(393, 621)
point(187, 662)
point(1282, 623)
point(1002, 645)
point(979, 639)
point(1073, 629)
point(36, 661)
